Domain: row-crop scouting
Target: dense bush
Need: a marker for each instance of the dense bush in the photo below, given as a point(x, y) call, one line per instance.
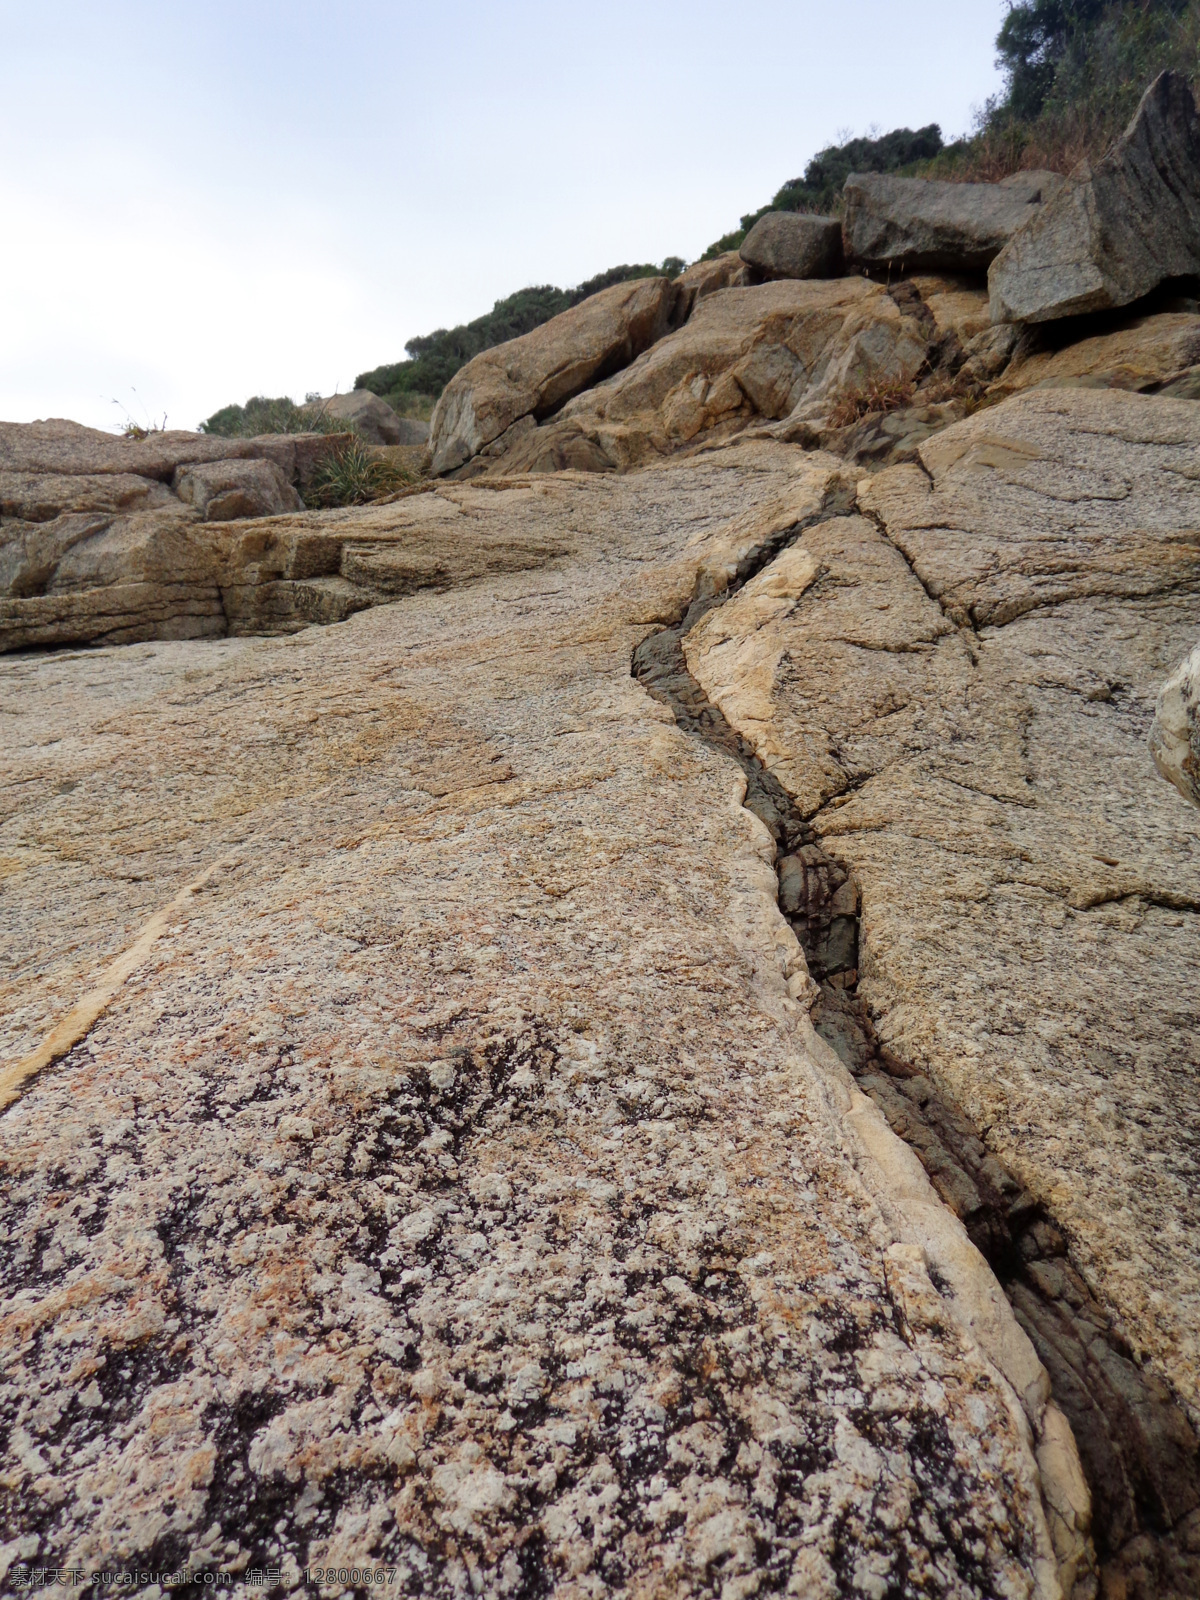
point(1074, 73)
point(260, 415)
point(434, 358)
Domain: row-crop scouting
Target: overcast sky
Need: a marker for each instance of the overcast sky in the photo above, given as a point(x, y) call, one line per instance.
point(210, 200)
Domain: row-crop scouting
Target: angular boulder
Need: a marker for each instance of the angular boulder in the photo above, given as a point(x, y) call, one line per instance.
point(225, 490)
point(1175, 731)
point(702, 278)
point(372, 418)
point(791, 244)
point(533, 375)
point(1116, 231)
point(918, 222)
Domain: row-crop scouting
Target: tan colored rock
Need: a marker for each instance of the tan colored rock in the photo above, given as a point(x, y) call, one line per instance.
point(779, 350)
point(1174, 734)
point(956, 692)
point(533, 375)
point(167, 575)
point(1157, 351)
point(702, 278)
point(1114, 232)
point(225, 490)
point(449, 1166)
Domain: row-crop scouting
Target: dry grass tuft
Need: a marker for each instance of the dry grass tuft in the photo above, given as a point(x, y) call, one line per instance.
point(878, 396)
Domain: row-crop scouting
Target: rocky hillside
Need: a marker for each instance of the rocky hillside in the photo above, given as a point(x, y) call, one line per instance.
point(657, 1057)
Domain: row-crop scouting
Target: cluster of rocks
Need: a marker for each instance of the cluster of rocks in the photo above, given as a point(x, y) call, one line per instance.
point(818, 323)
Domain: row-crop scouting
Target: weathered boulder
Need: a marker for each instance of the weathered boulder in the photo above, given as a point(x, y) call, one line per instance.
point(1175, 732)
point(370, 416)
point(787, 349)
point(918, 222)
point(1114, 232)
point(224, 490)
point(1159, 352)
point(532, 376)
point(726, 271)
point(790, 244)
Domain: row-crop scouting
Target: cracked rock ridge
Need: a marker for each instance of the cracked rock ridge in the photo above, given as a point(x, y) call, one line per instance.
point(954, 692)
point(458, 1181)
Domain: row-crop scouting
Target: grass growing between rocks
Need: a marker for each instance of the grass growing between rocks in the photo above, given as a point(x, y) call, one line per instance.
point(881, 394)
point(351, 476)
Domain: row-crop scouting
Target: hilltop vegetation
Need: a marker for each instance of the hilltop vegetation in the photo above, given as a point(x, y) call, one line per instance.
point(1074, 73)
point(434, 358)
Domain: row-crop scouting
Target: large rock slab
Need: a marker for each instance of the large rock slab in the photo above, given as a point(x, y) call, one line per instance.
point(790, 244)
point(907, 223)
point(533, 375)
point(957, 693)
point(1175, 732)
point(1115, 232)
point(458, 1184)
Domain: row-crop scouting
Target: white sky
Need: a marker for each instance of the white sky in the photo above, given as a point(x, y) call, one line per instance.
point(210, 200)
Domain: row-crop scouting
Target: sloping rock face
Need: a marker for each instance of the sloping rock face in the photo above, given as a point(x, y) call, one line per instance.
point(1112, 234)
point(784, 349)
point(532, 376)
point(726, 271)
point(955, 689)
point(919, 222)
point(789, 244)
point(1175, 734)
point(446, 1175)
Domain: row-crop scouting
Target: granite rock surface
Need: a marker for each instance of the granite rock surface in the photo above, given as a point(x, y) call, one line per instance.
point(419, 1148)
point(918, 223)
point(955, 687)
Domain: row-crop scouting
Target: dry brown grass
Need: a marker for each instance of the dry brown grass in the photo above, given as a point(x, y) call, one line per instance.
point(880, 395)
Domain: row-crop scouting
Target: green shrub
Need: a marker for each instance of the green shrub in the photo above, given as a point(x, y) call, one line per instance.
point(260, 415)
point(1075, 71)
point(351, 476)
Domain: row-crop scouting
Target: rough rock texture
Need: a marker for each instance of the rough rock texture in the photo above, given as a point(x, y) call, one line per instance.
point(1175, 733)
point(455, 1179)
point(790, 244)
point(222, 491)
point(532, 376)
point(94, 578)
point(955, 689)
point(1113, 233)
point(726, 271)
point(373, 419)
point(1159, 352)
point(785, 349)
point(918, 222)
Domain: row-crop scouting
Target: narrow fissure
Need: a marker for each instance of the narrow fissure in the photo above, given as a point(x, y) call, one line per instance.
point(1139, 1452)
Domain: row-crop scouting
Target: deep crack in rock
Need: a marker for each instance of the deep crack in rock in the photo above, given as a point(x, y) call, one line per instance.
point(1138, 1449)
